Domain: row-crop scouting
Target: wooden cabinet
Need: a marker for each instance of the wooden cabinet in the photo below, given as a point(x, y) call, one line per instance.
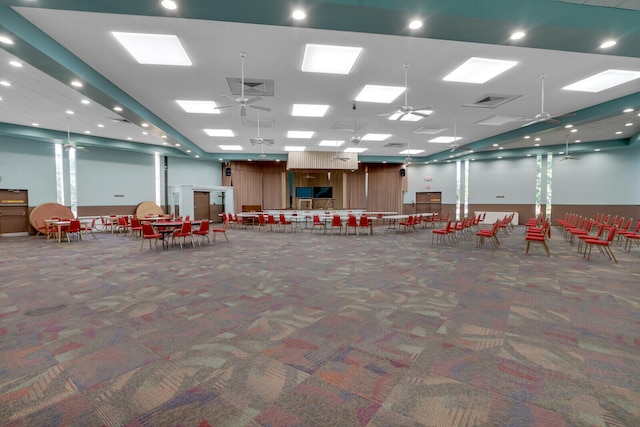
point(429, 201)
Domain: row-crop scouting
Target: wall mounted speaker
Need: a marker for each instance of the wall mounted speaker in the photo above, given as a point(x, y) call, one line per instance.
point(227, 171)
point(403, 172)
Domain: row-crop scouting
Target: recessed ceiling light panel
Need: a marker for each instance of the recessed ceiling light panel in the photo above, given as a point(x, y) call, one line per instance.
point(294, 148)
point(300, 134)
point(309, 110)
point(226, 133)
point(380, 94)
point(154, 49)
point(479, 70)
point(604, 80)
point(376, 137)
point(411, 152)
point(445, 139)
point(320, 58)
point(330, 143)
point(230, 147)
point(355, 150)
point(198, 107)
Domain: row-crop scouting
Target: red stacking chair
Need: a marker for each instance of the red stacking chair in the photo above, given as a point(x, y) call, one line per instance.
point(352, 222)
point(284, 222)
point(184, 232)
point(366, 223)
point(336, 222)
point(147, 234)
point(203, 232)
point(222, 230)
point(441, 233)
point(318, 223)
point(603, 245)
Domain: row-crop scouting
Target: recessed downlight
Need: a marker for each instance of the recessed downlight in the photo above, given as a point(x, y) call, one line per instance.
point(15, 63)
point(118, 109)
point(299, 14)
point(169, 4)
point(415, 24)
point(517, 35)
point(5, 83)
point(5, 40)
point(76, 83)
point(607, 44)
point(69, 112)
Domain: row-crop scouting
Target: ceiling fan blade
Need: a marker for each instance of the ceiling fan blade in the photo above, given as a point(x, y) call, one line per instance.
point(230, 97)
point(554, 121)
point(259, 107)
point(224, 106)
point(253, 100)
point(417, 113)
point(565, 115)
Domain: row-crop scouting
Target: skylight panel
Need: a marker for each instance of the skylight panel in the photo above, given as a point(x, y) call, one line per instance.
point(309, 110)
point(154, 49)
point(227, 133)
point(329, 59)
point(379, 94)
point(199, 107)
point(479, 70)
point(300, 134)
point(604, 80)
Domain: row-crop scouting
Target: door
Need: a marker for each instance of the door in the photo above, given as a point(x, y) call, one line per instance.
point(201, 202)
point(14, 211)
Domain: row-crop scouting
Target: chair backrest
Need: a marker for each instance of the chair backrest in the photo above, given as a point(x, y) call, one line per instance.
point(448, 226)
point(74, 226)
point(261, 220)
point(627, 224)
point(186, 227)
point(316, 219)
point(204, 226)
point(147, 229)
point(336, 222)
point(135, 222)
point(364, 221)
point(225, 224)
point(352, 221)
point(188, 218)
point(122, 220)
point(283, 220)
point(270, 219)
point(612, 233)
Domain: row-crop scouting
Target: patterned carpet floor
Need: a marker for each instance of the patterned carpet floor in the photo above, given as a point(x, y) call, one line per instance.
point(284, 329)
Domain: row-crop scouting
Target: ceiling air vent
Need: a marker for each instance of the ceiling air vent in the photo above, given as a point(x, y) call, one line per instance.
point(395, 145)
point(348, 125)
point(429, 131)
point(251, 122)
point(252, 87)
point(491, 100)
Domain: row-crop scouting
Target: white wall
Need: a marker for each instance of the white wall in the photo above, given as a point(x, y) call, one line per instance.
point(442, 178)
point(27, 165)
point(505, 181)
point(604, 178)
point(102, 174)
point(105, 175)
point(194, 172)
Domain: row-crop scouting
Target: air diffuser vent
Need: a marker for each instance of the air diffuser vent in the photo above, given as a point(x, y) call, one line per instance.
point(348, 125)
point(395, 145)
point(429, 131)
point(491, 100)
point(251, 122)
point(252, 87)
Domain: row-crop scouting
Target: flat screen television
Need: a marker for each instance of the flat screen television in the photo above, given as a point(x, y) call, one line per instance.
point(304, 192)
point(323, 192)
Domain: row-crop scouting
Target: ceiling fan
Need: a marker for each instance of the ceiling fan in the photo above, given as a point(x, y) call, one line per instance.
point(68, 145)
point(406, 109)
point(567, 156)
point(258, 139)
point(455, 144)
point(543, 116)
point(243, 102)
point(355, 138)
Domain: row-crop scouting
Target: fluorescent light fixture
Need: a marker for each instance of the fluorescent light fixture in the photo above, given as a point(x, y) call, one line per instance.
point(330, 143)
point(380, 94)
point(604, 80)
point(154, 49)
point(15, 64)
point(117, 109)
point(479, 70)
point(5, 40)
point(85, 102)
point(169, 4)
point(517, 35)
point(376, 137)
point(199, 107)
point(608, 43)
point(309, 110)
point(298, 14)
point(5, 83)
point(300, 134)
point(294, 148)
point(628, 110)
point(230, 147)
point(355, 150)
point(445, 139)
point(100, 125)
point(411, 152)
point(219, 132)
point(145, 125)
point(69, 112)
point(320, 58)
point(35, 124)
point(76, 83)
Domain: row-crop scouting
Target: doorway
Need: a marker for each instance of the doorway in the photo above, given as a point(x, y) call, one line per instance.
point(201, 202)
point(14, 211)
